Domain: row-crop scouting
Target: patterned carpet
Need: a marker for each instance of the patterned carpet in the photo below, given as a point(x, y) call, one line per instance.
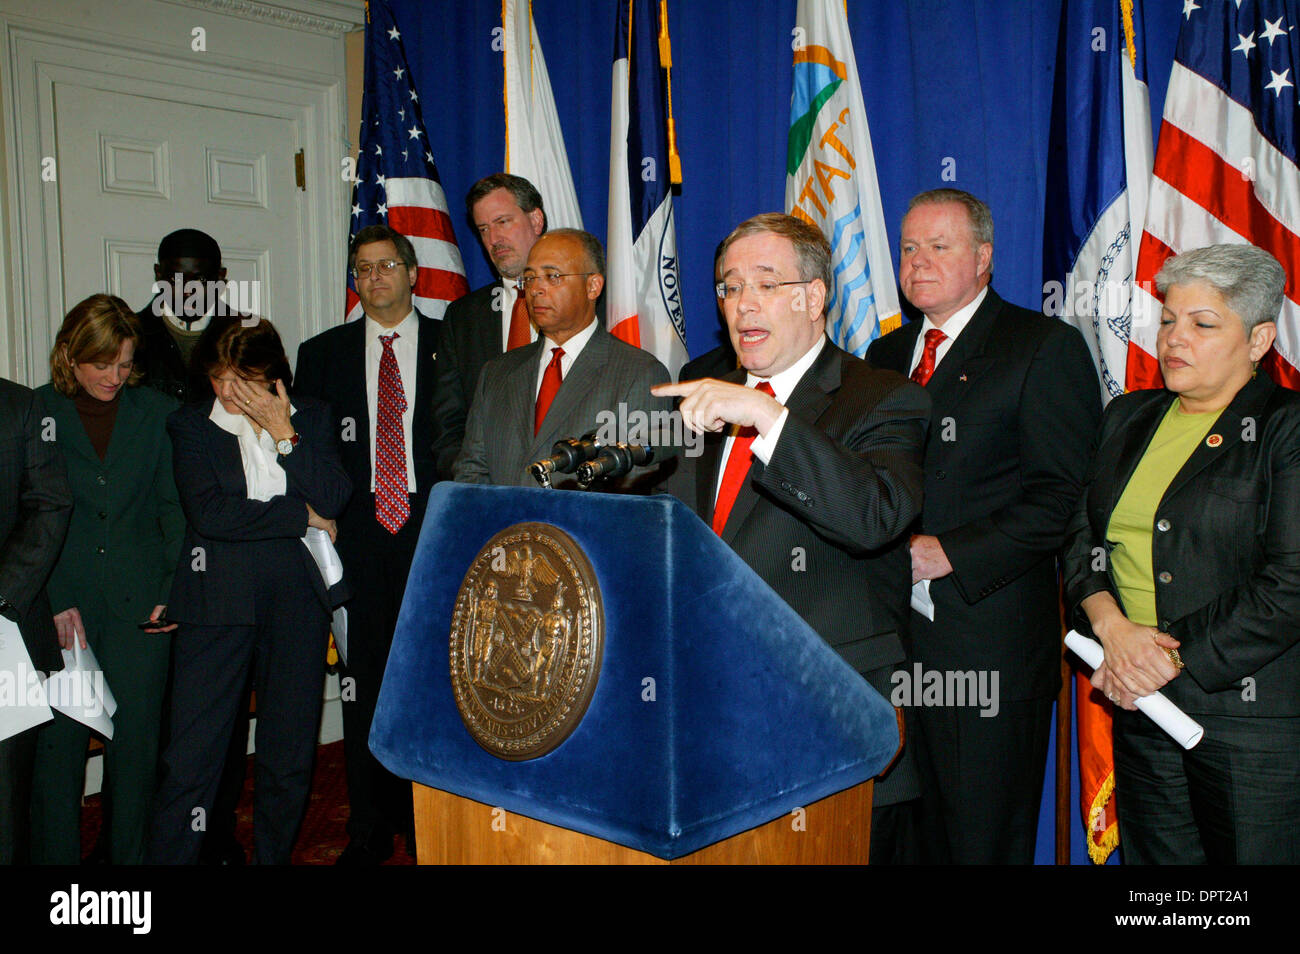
point(323, 835)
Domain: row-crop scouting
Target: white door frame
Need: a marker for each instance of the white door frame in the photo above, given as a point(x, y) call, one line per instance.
point(35, 54)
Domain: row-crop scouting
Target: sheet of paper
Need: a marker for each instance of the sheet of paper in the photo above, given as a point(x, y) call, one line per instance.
point(81, 692)
point(1181, 727)
point(23, 701)
point(340, 628)
point(921, 601)
point(327, 558)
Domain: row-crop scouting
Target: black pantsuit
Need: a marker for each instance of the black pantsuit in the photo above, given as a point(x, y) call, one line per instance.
point(286, 648)
point(246, 593)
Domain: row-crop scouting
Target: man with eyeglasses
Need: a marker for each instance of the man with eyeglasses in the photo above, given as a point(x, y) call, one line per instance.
point(560, 385)
point(1015, 415)
point(811, 471)
point(506, 212)
point(377, 373)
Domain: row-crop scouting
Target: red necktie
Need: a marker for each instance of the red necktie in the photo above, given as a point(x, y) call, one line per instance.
point(392, 504)
point(551, 380)
point(520, 332)
point(933, 338)
point(737, 469)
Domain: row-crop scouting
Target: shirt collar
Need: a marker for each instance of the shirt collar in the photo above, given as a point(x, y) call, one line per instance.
point(198, 324)
point(959, 319)
point(407, 329)
point(783, 382)
point(573, 347)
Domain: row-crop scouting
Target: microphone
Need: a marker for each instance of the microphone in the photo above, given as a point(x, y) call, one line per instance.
point(566, 456)
point(615, 460)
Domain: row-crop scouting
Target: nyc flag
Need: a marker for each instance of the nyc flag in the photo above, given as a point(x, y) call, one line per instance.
point(396, 180)
point(534, 140)
point(643, 297)
point(831, 177)
point(1226, 169)
point(1098, 176)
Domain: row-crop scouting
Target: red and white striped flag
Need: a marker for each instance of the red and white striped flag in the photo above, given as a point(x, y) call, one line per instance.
point(397, 182)
point(1226, 166)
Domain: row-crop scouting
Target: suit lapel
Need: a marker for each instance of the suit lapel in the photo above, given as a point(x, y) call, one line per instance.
point(71, 432)
point(1228, 428)
point(574, 388)
point(130, 417)
point(897, 347)
point(810, 397)
point(521, 396)
point(1137, 437)
point(352, 374)
point(966, 360)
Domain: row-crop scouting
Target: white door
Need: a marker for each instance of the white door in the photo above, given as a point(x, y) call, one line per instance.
point(132, 168)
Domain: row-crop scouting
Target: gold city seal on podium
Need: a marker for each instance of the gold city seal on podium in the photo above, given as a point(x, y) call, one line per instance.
point(526, 641)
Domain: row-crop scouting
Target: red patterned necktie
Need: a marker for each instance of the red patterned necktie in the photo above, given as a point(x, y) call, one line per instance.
point(551, 380)
point(933, 338)
point(737, 469)
point(392, 503)
point(520, 333)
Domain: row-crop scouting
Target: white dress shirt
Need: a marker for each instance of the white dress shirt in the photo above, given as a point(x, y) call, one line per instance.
point(262, 471)
point(404, 349)
point(958, 320)
point(572, 348)
point(783, 385)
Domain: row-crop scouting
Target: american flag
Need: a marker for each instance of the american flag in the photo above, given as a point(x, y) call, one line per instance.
point(1225, 169)
point(397, 182)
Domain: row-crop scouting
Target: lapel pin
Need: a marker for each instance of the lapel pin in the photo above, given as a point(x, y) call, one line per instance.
point(963, 376)
point(1214, 440)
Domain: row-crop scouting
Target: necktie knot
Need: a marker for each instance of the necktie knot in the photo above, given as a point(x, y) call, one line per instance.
point(929, 357)
point(387, 340)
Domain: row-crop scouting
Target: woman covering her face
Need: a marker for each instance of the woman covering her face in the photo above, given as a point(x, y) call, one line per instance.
point(255, 471)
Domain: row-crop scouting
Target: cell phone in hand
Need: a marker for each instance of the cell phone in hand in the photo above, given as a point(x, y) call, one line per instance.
point(159, 623)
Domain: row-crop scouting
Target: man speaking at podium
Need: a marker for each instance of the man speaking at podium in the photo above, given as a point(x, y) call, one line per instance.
point(811, 471)
point(569, 381)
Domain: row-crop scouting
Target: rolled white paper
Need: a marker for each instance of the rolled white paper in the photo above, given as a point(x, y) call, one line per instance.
point(1178, 724)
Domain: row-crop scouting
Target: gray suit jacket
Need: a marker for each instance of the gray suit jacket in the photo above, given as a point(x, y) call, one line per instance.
point(610, 377)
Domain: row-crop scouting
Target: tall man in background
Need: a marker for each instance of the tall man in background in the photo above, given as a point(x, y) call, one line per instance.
point(1015, 416)
point(809, 449)
point(187, 307)
point(377, 373)
point(507, 213)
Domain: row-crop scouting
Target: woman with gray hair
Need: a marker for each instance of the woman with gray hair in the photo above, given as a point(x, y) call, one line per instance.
point(1183, 560)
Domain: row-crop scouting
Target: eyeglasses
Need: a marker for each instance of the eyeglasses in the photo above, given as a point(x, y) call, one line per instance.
point(764, 289)
point(552, 279)
point(365, 269)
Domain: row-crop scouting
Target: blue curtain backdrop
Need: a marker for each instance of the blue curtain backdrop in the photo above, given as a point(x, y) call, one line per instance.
point(949, 85)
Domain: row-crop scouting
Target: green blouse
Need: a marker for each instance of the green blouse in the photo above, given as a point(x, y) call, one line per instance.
point(1131, 523)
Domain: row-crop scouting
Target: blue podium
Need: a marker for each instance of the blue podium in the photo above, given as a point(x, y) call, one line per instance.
point(717, 718)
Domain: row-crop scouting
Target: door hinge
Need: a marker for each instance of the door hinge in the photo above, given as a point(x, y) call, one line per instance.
point(300, 170)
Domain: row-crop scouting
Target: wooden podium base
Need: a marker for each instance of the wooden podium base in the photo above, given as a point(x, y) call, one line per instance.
point(452, 830)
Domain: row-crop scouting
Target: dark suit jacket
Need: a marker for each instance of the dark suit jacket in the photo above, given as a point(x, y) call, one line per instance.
point(1232, 525)
point(824, 522)
point(127, 523)
point(608, 375)
point(229, 536)
point(161, 363)
point(1011, 435)
point(332, 367)
point(471, 337)
point(35, 507)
